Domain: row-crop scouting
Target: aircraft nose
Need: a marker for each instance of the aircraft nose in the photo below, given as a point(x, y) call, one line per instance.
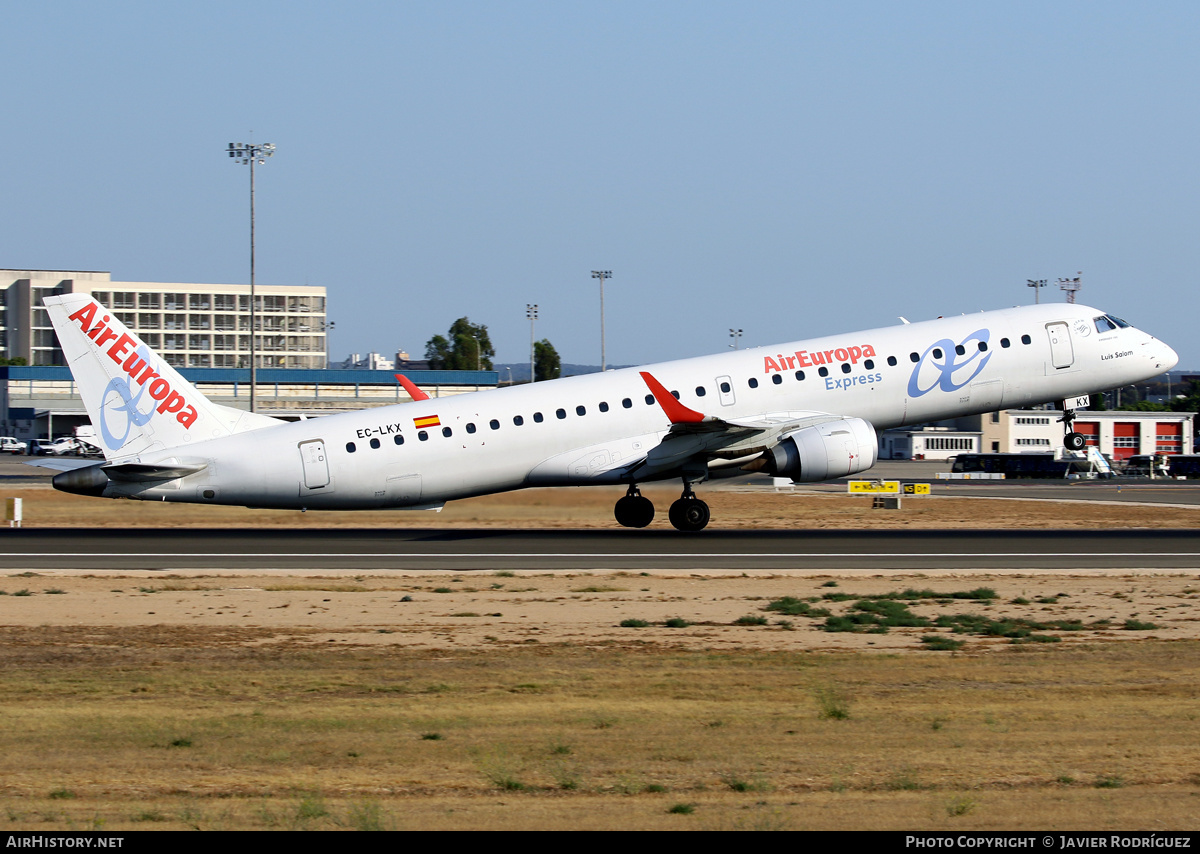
point(1164, 357)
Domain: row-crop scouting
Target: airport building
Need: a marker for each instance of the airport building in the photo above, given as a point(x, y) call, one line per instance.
point(1118, 434)
point(191, 325)
point(927, 443)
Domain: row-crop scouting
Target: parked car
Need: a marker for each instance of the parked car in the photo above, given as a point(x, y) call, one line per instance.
point(13, 445)
point(60, 447)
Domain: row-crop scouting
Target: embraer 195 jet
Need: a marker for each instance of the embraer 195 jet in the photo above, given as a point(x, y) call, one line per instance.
point(807, 410)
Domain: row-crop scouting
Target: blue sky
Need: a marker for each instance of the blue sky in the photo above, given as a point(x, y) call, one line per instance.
point(792, 169)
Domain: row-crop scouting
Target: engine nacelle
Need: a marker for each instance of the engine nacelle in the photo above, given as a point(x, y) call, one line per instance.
point(824, 451)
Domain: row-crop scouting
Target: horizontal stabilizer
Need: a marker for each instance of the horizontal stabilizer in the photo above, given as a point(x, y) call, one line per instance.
point(60, 464)
point(92, 480)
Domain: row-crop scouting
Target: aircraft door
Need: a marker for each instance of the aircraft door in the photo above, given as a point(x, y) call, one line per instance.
point(316, 464)
point(725, 390)
point(1062, 354)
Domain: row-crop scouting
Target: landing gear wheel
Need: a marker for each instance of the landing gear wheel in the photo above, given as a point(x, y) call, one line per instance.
point(1074, 441)
point(689, 514)
point(634, 510)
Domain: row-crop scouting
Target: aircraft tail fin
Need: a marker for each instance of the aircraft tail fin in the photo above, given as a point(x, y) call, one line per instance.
point(136, 401)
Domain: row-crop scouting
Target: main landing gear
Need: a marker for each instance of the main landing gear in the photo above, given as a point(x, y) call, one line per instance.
point(634, 510)
point(1072, 441)
point(688, 513)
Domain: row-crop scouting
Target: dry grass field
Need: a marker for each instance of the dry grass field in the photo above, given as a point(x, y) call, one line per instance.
point(537, 700)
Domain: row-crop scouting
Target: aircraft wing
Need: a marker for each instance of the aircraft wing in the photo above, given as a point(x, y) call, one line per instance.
point(411, 387)
point(696, 439)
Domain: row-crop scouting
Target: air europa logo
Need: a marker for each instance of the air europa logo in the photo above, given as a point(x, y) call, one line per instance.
point(807, 359)
point(940, 366)
point(137, 365)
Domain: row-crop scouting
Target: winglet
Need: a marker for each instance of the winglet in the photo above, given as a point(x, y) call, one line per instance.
point(411, 387)
point(676, 411)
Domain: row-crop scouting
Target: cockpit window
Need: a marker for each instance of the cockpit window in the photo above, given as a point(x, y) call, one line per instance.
point(1103, 324)
point(1118, 321)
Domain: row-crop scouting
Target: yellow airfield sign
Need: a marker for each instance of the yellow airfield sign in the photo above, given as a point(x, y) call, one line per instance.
point(875, 487)
point(887, 487)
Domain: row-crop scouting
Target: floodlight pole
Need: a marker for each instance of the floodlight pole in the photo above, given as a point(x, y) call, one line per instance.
point(1037, 285)
point(250, 154)
point(531, 311)
point(1072, 286)
point(602, 275)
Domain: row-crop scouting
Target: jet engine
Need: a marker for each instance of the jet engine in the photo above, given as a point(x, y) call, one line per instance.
point(821, 452)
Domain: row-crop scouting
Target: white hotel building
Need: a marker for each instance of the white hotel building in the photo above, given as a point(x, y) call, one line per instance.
point(190, 325)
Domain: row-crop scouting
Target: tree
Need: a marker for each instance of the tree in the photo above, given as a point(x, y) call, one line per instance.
point(1189, 401)
point(546, 363)
point(468, 348)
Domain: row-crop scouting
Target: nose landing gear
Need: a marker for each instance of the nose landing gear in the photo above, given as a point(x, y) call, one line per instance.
point(1072, 441)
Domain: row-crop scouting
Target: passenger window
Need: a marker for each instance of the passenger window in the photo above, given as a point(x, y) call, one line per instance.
point(675, 395)
point(892, 361)
point(518, 420)
point(603, 406)
point(845, 367)
point(1005, 343)
point(982, 346)
point(823, 371)
point(960, 349)
point(537, 416)
point(649, 400)
point(869, 365)
point(494, 424)
point(937, 352)
point(726, 388)
point(579, 410)
point(699, 391)
point(350, 449)
point(627, 403)
point(423, 436)
point(447, 432)
point(777, 378)
point(800, 376)
point(753, 383)
point(1025, 339)
point(560, 414)
point(913, 357)
point(399, 440)
point(470, 427)
point(375, 444)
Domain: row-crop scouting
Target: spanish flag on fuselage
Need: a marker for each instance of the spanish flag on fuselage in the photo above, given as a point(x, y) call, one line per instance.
point(427, 421)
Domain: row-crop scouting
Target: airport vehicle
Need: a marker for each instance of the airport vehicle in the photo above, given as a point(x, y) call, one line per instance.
point(61, 447)
point(1022, 466)
point(807, 410)
point(13, 445)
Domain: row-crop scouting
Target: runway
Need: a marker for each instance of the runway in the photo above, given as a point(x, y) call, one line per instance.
point(630, 550)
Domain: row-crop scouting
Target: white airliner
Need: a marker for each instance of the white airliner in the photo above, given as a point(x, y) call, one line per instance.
point(807, 410)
